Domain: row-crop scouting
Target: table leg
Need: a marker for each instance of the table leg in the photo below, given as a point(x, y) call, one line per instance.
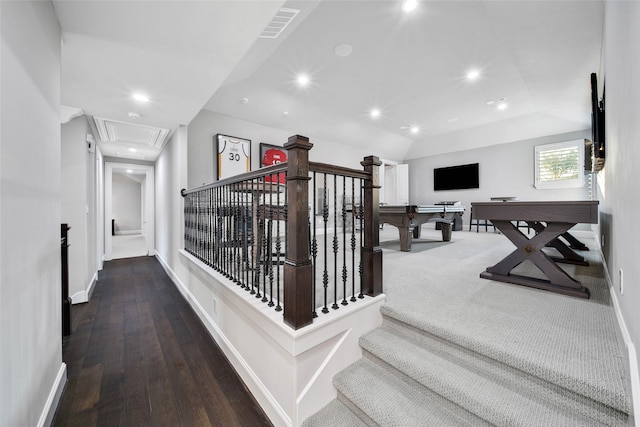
point(531, 249)
point(568, 255)
point(417, 231)
point(574, 243)
point(405, 239)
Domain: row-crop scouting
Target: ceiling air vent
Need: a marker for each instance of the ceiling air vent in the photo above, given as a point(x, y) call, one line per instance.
point(113, 130)
point(279, 23)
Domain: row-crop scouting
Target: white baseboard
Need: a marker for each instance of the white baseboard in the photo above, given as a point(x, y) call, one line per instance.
point(50, 407)
point(269, 404)
point(631, 349)
point(85, 296)
point(92, 285)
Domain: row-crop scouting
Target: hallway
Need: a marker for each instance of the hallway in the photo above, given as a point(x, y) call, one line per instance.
point(138, 356)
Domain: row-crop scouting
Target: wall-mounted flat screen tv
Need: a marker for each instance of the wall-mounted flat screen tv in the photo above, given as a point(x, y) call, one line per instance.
point(456, 177)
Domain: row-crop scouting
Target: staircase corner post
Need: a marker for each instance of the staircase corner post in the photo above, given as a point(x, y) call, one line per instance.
point(371, 252)
point(298, 270)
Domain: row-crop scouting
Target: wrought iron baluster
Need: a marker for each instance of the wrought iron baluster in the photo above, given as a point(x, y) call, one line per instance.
point(314, 242)
point(246, 220)
point(353, 240)
point(344, 242)
point(325, 218)
point(362, 226)
point(268, 252)
point(335, 305)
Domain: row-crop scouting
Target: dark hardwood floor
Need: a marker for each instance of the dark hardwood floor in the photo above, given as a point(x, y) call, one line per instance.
point(139, 356)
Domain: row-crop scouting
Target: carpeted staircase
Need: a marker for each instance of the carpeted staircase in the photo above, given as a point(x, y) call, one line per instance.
point(455, 349)
point(411, 377)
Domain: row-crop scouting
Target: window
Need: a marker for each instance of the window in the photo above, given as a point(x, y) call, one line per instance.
point(559, 165)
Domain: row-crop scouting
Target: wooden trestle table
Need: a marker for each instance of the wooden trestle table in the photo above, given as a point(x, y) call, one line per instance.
point(550, 220)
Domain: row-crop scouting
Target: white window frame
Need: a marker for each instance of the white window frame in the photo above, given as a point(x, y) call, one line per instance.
point(561, 183)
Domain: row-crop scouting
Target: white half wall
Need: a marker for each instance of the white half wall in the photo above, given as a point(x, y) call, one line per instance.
point(31, 369)
point(288, 372)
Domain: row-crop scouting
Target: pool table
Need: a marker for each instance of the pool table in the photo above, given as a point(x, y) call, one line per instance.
point(409, 218)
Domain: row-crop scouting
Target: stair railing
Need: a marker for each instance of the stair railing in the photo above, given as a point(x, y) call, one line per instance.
point(300, 256)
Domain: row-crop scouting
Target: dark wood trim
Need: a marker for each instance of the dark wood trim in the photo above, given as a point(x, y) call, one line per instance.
point(371, 251)
point(298, 270)
point(338, 170)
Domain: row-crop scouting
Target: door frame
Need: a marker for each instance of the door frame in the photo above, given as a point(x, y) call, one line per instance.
point(148, 205)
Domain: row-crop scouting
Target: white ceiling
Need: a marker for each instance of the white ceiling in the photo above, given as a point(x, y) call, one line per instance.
point(536, 54)
point(177, 52)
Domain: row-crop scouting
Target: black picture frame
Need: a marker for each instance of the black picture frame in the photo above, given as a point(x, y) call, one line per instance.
point(233, 155)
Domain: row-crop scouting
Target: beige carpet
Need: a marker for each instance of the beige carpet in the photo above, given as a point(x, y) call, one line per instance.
point(480, 351)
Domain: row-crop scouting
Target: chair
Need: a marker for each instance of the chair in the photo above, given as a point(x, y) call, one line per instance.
point(479, 223)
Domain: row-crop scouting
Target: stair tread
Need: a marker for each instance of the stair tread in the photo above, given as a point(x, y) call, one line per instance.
point(389, 401)
point(499, 394)
point(334, 414)
point(597, 381)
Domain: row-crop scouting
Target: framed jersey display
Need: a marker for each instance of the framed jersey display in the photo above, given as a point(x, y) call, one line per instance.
point(272, 155)
point(233, 155)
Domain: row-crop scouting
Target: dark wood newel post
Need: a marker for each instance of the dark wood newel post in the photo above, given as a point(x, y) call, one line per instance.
point(298, 270)
point(371, 251)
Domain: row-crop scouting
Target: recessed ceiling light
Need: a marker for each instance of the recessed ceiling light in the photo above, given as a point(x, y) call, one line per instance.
point(409, 5)
point(133, 115)
point(129, 171)
point(473, 75)
point(374, 113)
point(140, 97)
point(415, 129)
point(285, 113)
point(244, 100)
point(303, 80)
point(343, 50)
point(133, 150)
point(502, 106)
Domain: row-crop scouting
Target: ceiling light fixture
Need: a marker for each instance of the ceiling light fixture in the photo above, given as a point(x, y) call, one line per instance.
point(244, 100)
point(133, 150)
point(374, 113)
point(409, 5)
point(140, 97)
point(129, 171)
point(502, 106)
point(303, 80)
point(343, 50)
point(473, 75)
point(133, 115)
point(415, 129)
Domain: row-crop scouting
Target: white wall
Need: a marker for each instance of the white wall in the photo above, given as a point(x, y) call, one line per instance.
point(171, 177)
point(207, 124)
point(620, 200)
point(126, 204)
point(289, 372)
point(31, 370)
point(505, 170)
point(78, 206)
